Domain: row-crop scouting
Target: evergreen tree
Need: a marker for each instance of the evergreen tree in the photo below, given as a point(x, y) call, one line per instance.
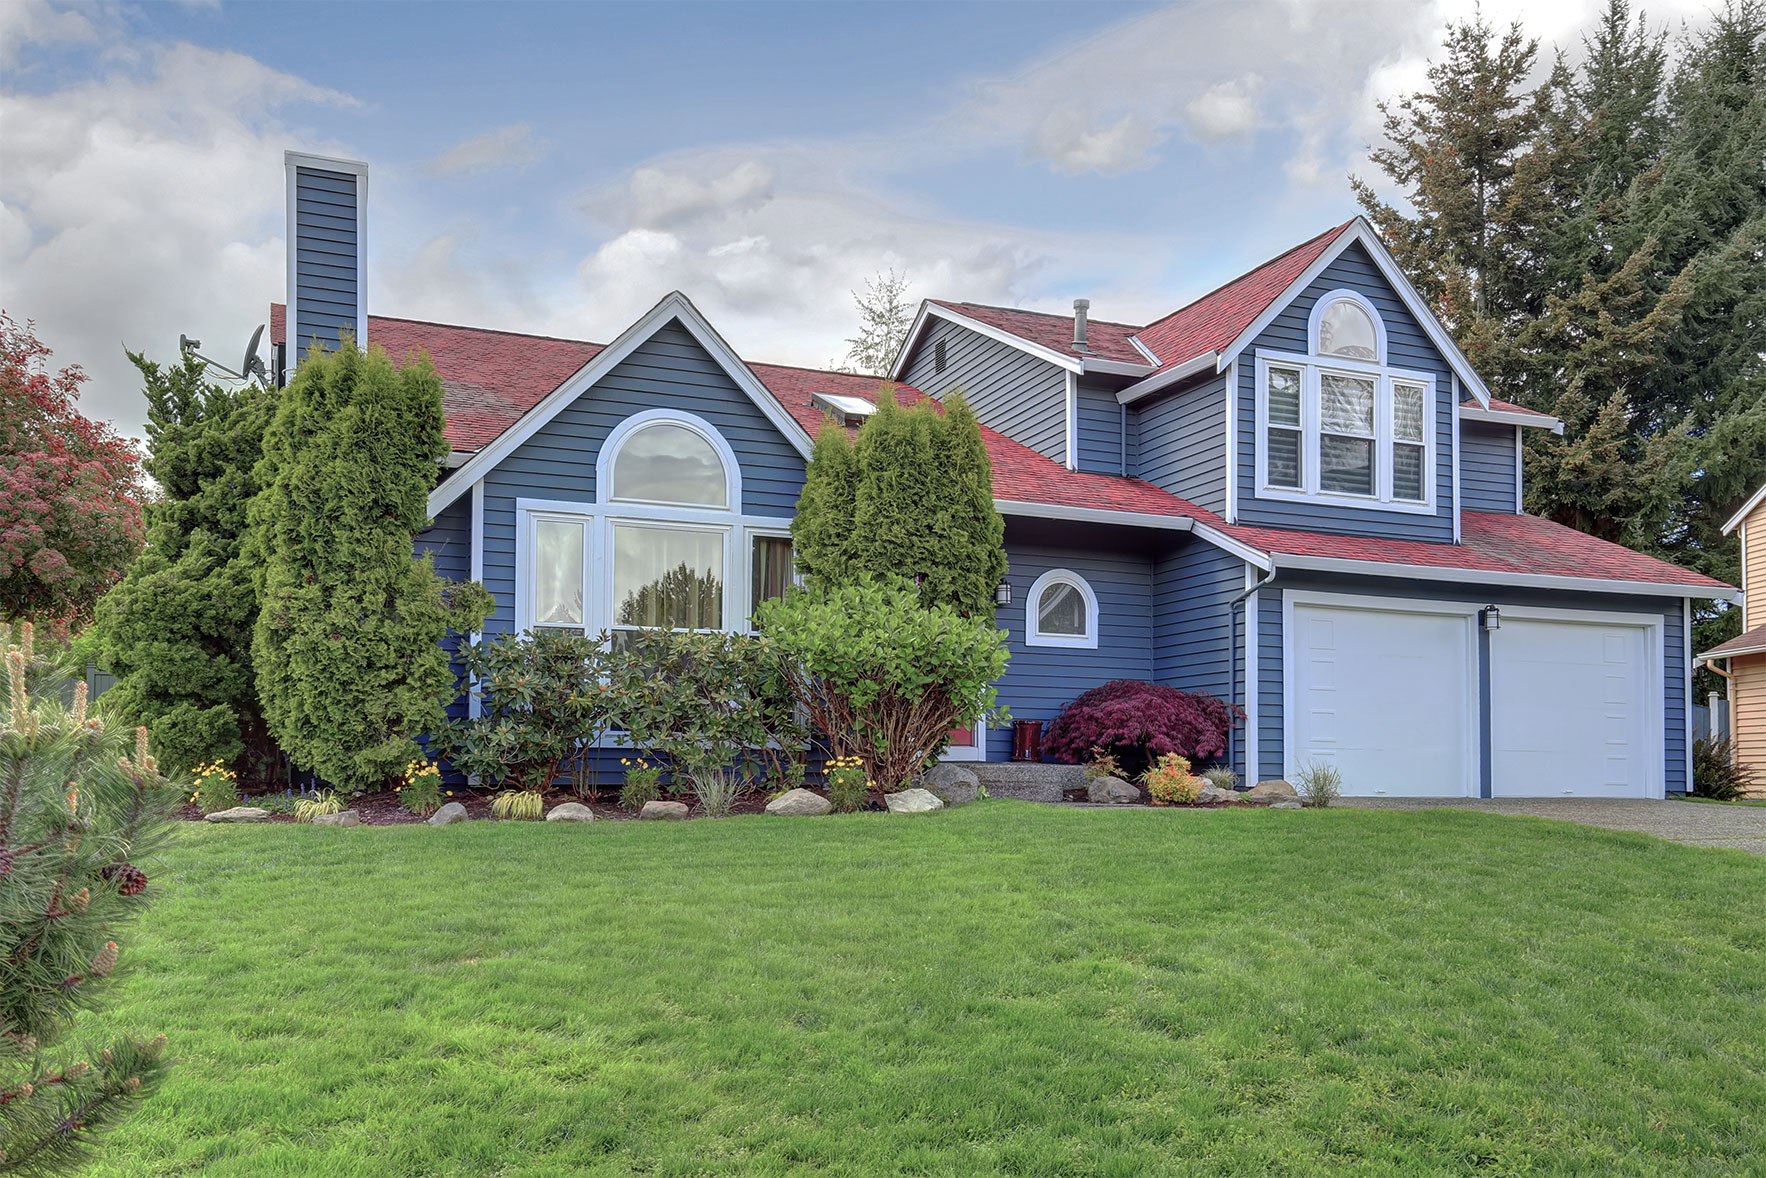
point(885, 315)
point(80, 811)
point(821, 531)
point(913, 497)
point(177, 631)
point(347, 644)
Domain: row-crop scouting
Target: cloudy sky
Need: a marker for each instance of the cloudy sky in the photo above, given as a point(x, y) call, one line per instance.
point(558, 168)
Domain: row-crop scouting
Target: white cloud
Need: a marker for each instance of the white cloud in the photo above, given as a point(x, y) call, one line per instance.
point(657, 196)
point(36, 22)
point(513, 146)
point(143, 204)
point(1225, 110)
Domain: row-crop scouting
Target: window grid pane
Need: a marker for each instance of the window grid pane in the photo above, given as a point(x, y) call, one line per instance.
point(666, 463)
point(1407, 473)
point(1061, 611)
point(668, 577)
point(1346, 464)
point(1407, 412)
point(1283, 461)
point(1284, 396)
point(558, 573)
point(1346, 404)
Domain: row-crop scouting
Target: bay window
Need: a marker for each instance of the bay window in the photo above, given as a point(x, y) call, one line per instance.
point(1339, 424)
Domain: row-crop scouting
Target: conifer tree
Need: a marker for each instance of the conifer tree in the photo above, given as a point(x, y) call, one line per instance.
point(347, 650)
point(177, 630)
point(82, 808)
point(912, 498)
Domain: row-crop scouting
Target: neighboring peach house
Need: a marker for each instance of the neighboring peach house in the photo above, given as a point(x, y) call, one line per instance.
point(1742, 660)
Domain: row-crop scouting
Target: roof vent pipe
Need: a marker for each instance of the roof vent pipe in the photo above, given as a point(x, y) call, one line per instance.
point(1080, 307)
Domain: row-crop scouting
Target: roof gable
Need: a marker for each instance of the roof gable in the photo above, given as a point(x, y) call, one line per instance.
point(1754, 500)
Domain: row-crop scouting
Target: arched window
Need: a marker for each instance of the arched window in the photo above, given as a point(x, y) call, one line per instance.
point(1061, 610)
point(1346, 329)
point(669, 462)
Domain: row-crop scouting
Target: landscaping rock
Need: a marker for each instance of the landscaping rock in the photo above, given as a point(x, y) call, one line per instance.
point(669, 811)
point(800, 802)
point(1112, 791)
point(913, 801)
point(570, 812)
point(238, 814)
point(1275, 788)
point(448, 815)
point(1213, 793)
point(341, 818)
point(1287, 806)
point(955, 784)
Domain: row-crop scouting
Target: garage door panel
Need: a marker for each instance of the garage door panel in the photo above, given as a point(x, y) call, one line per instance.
point(1570, 709)
point(1384, 695)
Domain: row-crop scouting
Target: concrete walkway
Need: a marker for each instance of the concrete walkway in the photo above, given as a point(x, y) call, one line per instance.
point(1697, 824)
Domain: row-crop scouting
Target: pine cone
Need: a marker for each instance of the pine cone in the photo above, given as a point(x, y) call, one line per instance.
point(130, 880)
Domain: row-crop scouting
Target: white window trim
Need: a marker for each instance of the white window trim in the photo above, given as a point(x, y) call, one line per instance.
point(1032, 600)
point(1384, 377)
point(1323, 304)
point(616, 439)
point(778, 532)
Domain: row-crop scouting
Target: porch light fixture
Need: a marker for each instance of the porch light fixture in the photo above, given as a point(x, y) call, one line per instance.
point(1002, 593)
point(1490, 618)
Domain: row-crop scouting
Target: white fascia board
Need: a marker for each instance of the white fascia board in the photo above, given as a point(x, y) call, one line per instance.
point(1206, 362)
point(1361, 231)
point(1700, 660)
point(1504, 417)
point(1135, 519)
point(301, 159)
point(909, 340)
point(1070, 363)
point(455, 458)
point(1114, 367)
point(675, 306)
point(1429, 572)
point(1735, 520)
point(1144, 350)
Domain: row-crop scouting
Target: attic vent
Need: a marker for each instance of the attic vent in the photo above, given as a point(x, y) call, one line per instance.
point(938, 356)
point(848, 411)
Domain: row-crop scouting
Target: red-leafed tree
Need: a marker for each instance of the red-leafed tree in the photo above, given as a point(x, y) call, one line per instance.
point(70, 488)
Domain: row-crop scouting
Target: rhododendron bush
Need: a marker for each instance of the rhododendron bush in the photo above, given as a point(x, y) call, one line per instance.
point(1139, 722)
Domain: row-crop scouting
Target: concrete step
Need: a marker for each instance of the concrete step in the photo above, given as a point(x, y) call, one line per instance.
point(1029, 780)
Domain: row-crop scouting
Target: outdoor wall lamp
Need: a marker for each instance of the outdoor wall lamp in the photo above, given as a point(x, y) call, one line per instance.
point(1490, 618)
point(1002, 592)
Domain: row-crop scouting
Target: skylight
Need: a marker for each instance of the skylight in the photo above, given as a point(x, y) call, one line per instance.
point(850, 410)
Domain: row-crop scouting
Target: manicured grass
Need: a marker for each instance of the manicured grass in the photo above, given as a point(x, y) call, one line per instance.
point(1003, 988)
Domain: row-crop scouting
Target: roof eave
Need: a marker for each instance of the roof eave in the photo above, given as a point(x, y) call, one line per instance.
point(1206, 362)
point(1503, 417)
point(1430, 572)
point(1746, 509)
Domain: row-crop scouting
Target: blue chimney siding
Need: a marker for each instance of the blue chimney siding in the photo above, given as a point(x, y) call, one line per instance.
point(327, 286)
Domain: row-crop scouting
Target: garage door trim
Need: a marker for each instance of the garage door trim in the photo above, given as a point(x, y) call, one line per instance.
point(1374, 603)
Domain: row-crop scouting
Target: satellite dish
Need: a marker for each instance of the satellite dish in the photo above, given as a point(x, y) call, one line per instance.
point(186, 344)
point(251, 365)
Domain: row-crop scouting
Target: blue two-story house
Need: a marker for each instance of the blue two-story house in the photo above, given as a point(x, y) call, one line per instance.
point(1293, 493)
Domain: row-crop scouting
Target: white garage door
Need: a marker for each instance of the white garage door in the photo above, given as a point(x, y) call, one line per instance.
point(1570, 713)
point(1386, 695)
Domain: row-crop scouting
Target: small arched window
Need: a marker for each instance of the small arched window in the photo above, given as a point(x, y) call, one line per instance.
point(1061, 610)
point(668, 462)
point(1346, 329)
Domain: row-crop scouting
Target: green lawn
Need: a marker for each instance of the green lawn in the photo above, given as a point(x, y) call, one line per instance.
point(1002, 988)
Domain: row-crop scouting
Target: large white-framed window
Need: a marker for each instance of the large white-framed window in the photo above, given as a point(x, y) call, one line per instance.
point(1061, 610)
point(1339, 424)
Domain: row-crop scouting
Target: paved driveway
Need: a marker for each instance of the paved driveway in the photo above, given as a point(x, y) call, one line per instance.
point(1697, 824)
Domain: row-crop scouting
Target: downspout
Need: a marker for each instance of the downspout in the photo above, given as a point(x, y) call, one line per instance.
point(1232, 657)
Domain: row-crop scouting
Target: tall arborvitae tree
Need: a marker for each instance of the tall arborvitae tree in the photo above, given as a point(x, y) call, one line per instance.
point(1619, 280)
point(347, 645)
point(82, 808)
point(913, 497)
point(177, 631)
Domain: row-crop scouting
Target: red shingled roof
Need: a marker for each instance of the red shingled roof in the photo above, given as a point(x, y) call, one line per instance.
point(491, 378)
point(1215, 320)
point(1107, 340)
point(1490, 543)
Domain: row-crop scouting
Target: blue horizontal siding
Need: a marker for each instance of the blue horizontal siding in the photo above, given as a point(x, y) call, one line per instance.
point(1041, 680)
point(448, 540)
point(1487, 467)
point(1193, 650)
point(669, 371)
point(1408, 346)
point(1019, 395)
point(1181, 442)
point(326, 283)
point(1100, 430)
point(1270, 651)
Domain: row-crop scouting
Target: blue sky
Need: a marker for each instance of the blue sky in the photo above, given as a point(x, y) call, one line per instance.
point(558, 167)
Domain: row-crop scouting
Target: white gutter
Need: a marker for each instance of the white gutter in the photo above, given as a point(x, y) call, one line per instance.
point(1425, 572)
point(1504, 417)
point(1207, 362)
